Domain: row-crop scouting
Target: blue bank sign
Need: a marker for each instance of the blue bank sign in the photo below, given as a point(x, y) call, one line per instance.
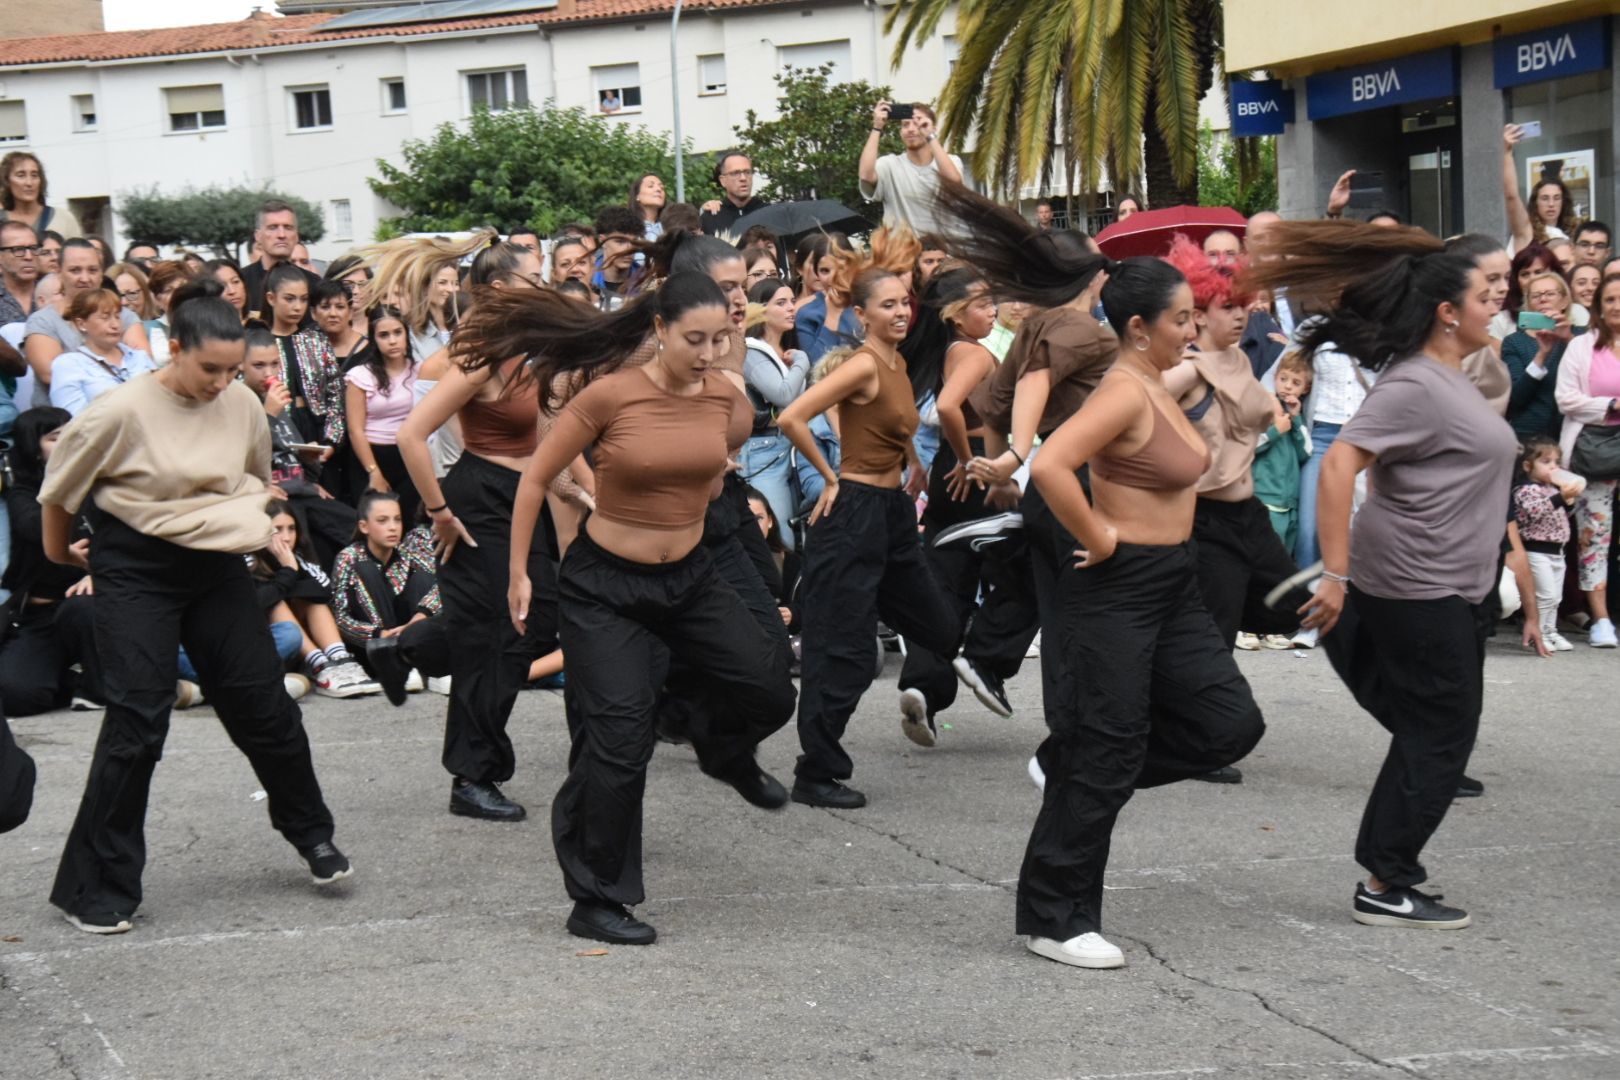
point(1388, 82)
point(1572, 49)
point(1261, 107)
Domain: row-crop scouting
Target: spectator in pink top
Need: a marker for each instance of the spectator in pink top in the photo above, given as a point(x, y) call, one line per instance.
point(377, 400)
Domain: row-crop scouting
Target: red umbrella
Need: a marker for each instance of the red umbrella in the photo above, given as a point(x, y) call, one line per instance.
point(1148, 232)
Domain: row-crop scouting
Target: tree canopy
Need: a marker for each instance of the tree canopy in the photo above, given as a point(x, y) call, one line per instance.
point(220, 219)
point(540, 167)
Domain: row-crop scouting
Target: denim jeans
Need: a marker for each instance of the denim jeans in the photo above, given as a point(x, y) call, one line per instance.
point(287, 636)
point(767, 464)
point(1306, 550)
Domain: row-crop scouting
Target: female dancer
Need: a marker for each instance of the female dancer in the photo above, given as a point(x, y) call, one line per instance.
point(1400, 602)
point(862, 556)
point(472, 523)
point(637, 580)
point(181, 456)
point(957, 311)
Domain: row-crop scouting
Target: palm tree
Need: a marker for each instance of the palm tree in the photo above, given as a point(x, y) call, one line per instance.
point(1034, 75)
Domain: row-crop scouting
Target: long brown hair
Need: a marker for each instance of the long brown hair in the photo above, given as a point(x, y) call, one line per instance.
point(1603, 337)
point(8, 201)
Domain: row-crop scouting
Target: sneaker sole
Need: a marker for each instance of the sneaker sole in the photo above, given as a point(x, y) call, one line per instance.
point(981, 528)
point(1036, 775)
point(339, 876)
point(468, 812)
point(1053, 950)
point(1604, 644)
point(970, 679)
point(1297, 579)
point(914, 719)
point(582, 930)
point(123, 927)
point(1366, 919)
point(808, 800)
point(348, 691)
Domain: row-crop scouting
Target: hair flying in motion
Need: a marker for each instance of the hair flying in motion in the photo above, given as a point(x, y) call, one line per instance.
point(1018, 260)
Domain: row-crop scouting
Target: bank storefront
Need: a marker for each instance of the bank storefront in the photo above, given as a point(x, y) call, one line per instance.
point(1423, 128)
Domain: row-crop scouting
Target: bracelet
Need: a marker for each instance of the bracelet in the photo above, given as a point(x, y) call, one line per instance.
point(1013, 450)
point(1342, 579)
point(436, 509)
point(877, 131)
point(371, 468)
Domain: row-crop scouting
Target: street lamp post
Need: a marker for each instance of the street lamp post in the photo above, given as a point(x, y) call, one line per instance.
point(675, 97)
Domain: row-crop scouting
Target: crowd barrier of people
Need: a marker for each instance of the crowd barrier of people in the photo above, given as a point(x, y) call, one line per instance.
point(671, 470)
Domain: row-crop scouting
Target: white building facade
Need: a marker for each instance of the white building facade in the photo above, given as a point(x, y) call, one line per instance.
point(283, 106)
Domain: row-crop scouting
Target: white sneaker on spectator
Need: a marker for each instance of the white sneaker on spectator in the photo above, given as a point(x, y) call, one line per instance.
point(1277, 641)
point(439, 684)
point(1557, 642)
point(1304, 639)
point(344, 681)
point(1248, 642)
point(414, 683)
point(297, 685)
point(1087, 950)
point(1601, 635)
point(187, 694)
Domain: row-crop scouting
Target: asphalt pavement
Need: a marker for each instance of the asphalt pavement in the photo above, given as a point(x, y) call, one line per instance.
point(811, 943)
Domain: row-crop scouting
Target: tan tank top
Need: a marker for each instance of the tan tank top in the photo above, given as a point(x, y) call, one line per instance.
point(874, 436)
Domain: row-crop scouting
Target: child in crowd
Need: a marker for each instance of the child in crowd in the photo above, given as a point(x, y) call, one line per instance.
point(385, 594)
point(1541, 509)
point(308, 368)
point(296, 466)
point(1278, 460)
point(294, 592)
point(378, 399)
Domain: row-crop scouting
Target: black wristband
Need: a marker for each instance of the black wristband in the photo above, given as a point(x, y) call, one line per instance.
point(436, 509)
point(878, 130)
point(1014, 451)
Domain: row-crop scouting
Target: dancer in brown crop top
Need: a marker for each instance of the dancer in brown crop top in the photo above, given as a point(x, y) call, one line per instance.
point(1166, 462)
point(637, 589)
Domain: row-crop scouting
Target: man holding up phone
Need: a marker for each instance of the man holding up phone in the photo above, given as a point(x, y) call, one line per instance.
point(905, 183)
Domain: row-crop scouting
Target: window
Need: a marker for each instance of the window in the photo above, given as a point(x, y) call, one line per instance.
point(953, 49)
point(393, 95)
point(342, 220)
point(815, 55)
point(498, 91)
point(195, 108)
point(618, 88)
point(712, 74)
point(84, 112)
point(312, 108)
point(13, 122)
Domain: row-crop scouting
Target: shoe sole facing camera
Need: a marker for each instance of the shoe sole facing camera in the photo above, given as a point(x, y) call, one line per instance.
point(122, 926)
point(1053, 950)
point(914, 723)
point(980, 527)
point(969, 677)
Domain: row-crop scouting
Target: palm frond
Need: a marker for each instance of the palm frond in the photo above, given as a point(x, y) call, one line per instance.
point(1175, 78)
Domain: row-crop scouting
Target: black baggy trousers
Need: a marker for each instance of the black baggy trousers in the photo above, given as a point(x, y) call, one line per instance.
point(489, 659)
point(861, 561)
point(1157, 698)
point(1051, 559)
point(1000, 628)
point(1240, 559)
point(1418, 666)
point(616, 618)
point(152, 597)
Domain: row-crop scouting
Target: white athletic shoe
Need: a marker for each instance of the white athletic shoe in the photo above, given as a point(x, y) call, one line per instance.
point(1601, 635)
point(1304, 639)
point(297, 686)
point(187, 694)
point(1558, 643)
point(915, 723)
point(414, 683)
point(1248, 642)
point(439, 684)
point(1036, 773)
point(1277, 641)
point(1087, 951)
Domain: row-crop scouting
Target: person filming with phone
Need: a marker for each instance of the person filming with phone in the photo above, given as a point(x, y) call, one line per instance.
point(905, 183)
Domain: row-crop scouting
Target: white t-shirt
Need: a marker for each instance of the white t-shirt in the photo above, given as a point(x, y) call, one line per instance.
point(907, 192)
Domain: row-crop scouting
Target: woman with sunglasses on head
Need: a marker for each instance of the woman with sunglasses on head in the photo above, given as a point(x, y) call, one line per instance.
point(637, 584)
point(497, 412)
point(177, 466)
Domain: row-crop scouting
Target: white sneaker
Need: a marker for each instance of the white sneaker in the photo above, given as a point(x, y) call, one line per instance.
point(1248, 642)
point(297, 686)
point(1087, 951)
point(1601, 635)
point(1304, 639)
point(1557, 642)
point(187, 694)
point(344, 680)
point(439, 684)
point(1276, 641)
point(1036, 773)
point(914, 722)
point(414, 683)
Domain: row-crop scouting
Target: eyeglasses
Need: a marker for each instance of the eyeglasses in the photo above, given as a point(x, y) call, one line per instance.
point(738, 174)
point(22, 251)
point(132, 294)
point(1545, 294)
point(1583, 245)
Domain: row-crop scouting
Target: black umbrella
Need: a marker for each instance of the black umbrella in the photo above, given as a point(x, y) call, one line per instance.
point(791, 220)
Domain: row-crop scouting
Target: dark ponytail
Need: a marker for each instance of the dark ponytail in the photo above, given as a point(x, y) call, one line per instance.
point(197, 314)
point(1019, 261)
point(930, 336)
point(1138, 287)
point(559, 336)
point(496, 262)
point(682, 252)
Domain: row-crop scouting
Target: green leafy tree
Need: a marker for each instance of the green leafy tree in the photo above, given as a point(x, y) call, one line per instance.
point(812, 150)
point(541, 167)
point(1240, 173)
point(217, 218)
point(1116, 82)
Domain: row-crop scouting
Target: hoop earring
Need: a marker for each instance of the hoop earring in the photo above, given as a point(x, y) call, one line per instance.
point(1451, 328)
point(1142, 344)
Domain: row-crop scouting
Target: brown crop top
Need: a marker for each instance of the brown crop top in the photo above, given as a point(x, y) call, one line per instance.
point(657, 454)
point(1166, 461)
point(508, 424)
point(874, 436)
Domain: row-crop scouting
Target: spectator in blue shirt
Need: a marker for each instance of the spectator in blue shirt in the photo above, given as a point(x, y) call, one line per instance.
point(102, 362)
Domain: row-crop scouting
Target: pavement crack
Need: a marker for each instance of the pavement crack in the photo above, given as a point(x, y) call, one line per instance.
point(1266, 1004)
point(913, 849)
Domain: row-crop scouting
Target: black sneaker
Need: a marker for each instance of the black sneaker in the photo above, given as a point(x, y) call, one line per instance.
point(1296, 589)
point(1469, 788)
point(989, 689)
point(109, 922)
point(326, 863)
point(997, 525)
point(389, 666)
point(1226, 774)
point(1401, 906)
point(753, 783)
point(610, 923)
point(475, 799)
point(828, 793)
